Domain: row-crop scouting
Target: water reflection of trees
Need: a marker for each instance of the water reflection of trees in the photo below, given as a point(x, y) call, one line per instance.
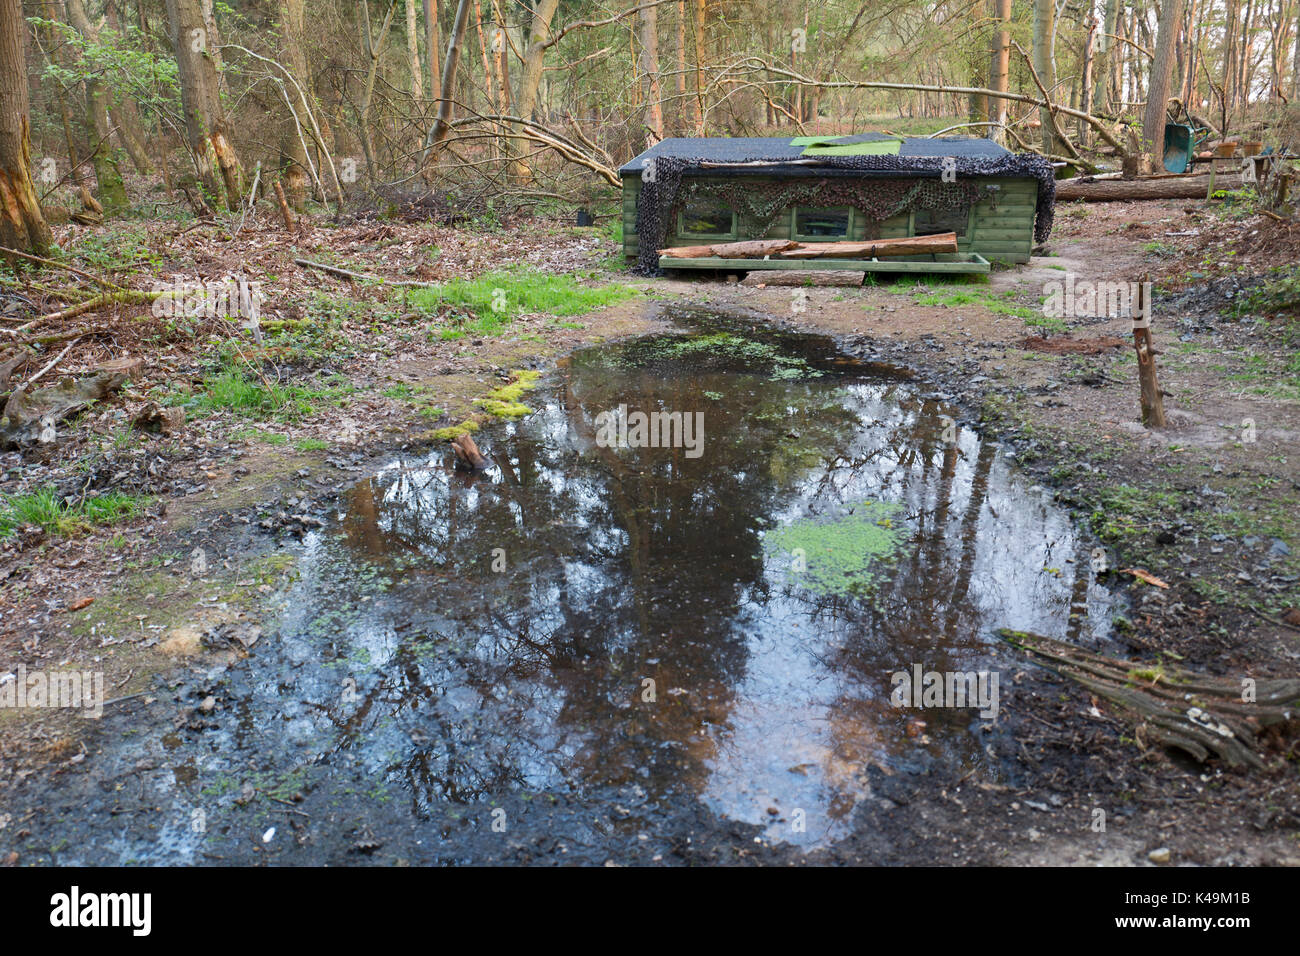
point(627, 564)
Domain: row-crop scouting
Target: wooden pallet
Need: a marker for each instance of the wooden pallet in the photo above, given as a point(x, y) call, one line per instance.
point(959, 262)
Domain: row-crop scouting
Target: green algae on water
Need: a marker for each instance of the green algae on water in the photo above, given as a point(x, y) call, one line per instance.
point(725, 345)
point(841, 556)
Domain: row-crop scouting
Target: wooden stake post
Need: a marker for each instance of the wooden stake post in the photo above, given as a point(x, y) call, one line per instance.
point(1153, 406)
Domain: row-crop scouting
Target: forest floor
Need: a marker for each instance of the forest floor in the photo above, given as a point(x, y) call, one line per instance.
point(352, 373)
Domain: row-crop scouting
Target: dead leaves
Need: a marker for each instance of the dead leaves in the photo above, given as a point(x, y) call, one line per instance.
point(1143, 575)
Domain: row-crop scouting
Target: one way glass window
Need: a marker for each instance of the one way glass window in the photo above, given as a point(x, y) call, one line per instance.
point(708, 218)
point(822, 223)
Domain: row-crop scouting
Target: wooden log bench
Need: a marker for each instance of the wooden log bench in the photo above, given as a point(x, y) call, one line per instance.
point(915, 254)
point(941, 262)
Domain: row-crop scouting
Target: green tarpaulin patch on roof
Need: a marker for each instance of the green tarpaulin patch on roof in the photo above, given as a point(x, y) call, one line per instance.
point(863, 144)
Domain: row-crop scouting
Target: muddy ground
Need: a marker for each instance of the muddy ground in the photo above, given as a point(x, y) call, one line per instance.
point(1210, 505)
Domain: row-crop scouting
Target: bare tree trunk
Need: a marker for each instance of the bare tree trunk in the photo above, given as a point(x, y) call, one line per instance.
point(1044, 28)
point(441, 126)
point(1295, 65)
point(205, 124)
point(979, 105)
point(1243, 61)
point(1187, 85)
point(1118, 56)
point(112, 193)
point(1279, 30)
point(699, 66)
point(679, 110)
point(1162, 64)
point(1000, 68)
point(293, 157)
point(1138, 33)
point(373, 48)
point(122, 109)
point(413, 50)
point(531, 79)
point(500, 61)
point(77, 175)
point(431, 41)
point(214, 49)
point(487, 63)
point(649, 67)
point(1230, 48)
point(22, 226)
point(1085, 78)
point(1103, 88)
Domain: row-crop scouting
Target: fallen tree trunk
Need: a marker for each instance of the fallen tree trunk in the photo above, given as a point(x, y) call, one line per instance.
point(120, 297)
point(31, 416)
point(1157, 187)
point(750, 249)
point(876, 248)
point(789, 249)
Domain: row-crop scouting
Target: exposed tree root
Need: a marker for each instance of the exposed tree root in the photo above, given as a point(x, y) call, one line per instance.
point(1202, 716)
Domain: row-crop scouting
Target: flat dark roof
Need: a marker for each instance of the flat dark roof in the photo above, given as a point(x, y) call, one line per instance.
point(777, 149)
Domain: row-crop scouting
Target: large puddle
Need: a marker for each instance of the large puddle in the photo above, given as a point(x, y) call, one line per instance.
point(714, 623)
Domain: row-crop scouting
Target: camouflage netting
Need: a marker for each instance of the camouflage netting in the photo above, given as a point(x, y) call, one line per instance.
point(877, 198)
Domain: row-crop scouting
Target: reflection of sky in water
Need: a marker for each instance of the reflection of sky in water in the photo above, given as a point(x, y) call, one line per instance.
point(803, 725)
point(404, 655)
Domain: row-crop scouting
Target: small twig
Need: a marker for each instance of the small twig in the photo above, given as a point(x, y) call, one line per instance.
point(59, 265)
point(54, 361)
point(289, 804)
point(252, 197)
point(1272, 620)
point(118, 700)
point(348, 274)
point(59, 337)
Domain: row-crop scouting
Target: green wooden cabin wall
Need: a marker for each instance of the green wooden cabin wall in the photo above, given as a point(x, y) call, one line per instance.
point(1001, 228)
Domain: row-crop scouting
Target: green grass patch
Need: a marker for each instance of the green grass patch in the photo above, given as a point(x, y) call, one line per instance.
point(951, 299)
point(233, 390)
point(1125, 512)
point(116, 248)
point(1001, 304)
point(59, 517)
point(257, 434)
point(1048, 323)
point(493, 300)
